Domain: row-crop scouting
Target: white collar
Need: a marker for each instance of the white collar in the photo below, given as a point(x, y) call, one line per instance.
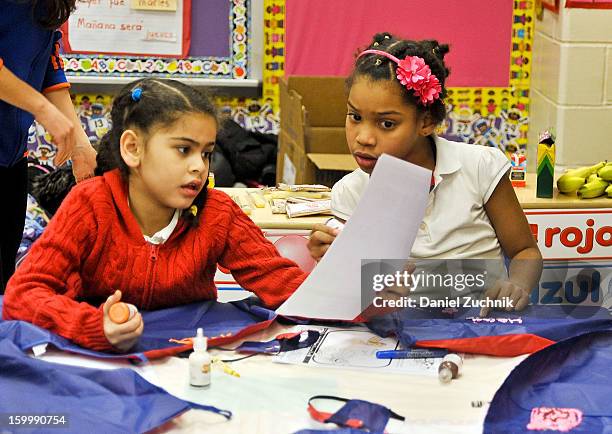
point(447, 161)
point(446, 157)
point(161, 236)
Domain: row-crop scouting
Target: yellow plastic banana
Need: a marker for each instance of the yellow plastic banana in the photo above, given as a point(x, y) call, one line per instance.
point(605, 172)
point(609, 190)
point(569, 184)
point(586, 171)
point(594, 188)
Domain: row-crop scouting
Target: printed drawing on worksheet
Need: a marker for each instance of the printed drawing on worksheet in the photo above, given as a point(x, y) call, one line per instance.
point(355, 348)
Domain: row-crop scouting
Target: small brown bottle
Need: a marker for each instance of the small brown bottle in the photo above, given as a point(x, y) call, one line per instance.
point(450, 367)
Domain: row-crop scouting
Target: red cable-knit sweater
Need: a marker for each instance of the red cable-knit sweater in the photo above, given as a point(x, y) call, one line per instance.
point(93, 246)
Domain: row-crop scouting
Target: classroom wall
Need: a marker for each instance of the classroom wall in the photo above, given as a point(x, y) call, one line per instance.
point(572, 84)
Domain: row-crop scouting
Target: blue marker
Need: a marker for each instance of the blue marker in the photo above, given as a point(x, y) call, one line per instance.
point(414, 353)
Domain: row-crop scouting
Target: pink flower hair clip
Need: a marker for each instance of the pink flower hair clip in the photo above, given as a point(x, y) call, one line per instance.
point(415, 74)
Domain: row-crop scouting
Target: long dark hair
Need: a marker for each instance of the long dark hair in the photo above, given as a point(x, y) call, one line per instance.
point(51, 14)
point(148, 103)
point(376, 67)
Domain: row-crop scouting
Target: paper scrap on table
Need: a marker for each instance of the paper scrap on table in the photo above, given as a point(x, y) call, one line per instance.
point(355, 348)
point(384, 226)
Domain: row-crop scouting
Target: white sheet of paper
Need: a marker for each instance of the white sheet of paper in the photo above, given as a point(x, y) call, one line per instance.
point(355, 348)
point(384, 226)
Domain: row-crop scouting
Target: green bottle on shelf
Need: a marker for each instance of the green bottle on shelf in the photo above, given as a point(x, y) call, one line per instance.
point(546, 165)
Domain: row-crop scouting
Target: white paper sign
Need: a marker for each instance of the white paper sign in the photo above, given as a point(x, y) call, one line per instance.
point(384, 226)
point(112, 27)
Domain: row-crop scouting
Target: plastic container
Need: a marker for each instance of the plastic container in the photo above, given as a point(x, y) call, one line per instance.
point(199, 361)
point(450, 367)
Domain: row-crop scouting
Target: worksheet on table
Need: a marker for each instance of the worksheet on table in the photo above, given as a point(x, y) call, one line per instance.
point(354, 348)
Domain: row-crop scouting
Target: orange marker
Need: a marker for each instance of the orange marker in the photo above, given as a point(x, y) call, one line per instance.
point(122, 312)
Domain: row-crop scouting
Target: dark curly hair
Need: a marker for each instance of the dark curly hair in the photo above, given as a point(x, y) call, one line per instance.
point(377, 67)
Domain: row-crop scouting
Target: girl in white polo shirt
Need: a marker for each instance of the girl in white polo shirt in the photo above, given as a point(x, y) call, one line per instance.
point(395, 102)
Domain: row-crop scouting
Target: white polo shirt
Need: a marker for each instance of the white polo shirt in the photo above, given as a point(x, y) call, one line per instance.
point(456, 225)
point(161, 236)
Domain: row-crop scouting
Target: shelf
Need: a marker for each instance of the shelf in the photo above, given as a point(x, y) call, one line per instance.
point(97, 84)
point(212, 82)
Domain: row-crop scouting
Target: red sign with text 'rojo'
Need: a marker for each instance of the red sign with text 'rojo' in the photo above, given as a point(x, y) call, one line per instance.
point(572, 234)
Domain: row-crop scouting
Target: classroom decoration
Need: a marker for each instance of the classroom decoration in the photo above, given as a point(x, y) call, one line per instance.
point(493, 115)
point(36, 220)
point(490, 116)
point(229, 58)
point(563, 388)
point(518, 170)
point(274, 51)
point(117, 27)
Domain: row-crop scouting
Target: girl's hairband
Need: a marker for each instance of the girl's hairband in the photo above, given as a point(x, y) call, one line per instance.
point(136, 94)
point(415, 75)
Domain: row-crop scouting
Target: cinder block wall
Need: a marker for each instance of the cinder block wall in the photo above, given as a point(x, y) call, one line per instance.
point(571, 87)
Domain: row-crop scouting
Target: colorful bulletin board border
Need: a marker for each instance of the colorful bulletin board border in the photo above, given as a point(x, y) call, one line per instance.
point(233, 67)
point(274, 50)
point(493, 116)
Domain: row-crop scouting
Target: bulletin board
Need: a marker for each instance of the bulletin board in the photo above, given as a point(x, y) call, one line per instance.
point(490, 58)
point(122, 28)
point(327, 45)
point(213, 42)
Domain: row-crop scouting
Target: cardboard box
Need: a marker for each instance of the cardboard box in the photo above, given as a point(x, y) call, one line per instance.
point(312, 142)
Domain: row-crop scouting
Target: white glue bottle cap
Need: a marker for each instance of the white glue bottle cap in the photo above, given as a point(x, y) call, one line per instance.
point(450, 367)
point(200, 343)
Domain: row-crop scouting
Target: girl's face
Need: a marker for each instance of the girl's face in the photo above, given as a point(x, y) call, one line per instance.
point(380, 121)
point(173, 164)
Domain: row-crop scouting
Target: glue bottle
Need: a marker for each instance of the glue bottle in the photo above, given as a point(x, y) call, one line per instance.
point(199, 361)
point(450, 367)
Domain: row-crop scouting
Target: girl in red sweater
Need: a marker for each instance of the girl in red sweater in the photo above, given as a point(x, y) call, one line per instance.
point(149, 232)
